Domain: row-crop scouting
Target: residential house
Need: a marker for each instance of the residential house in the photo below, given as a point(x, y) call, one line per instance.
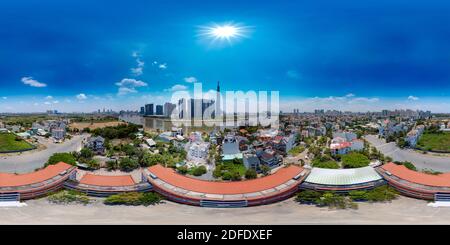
point(96, 144)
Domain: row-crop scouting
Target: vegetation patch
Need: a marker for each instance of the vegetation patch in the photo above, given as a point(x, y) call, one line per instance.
point(325, 161)
point(69, 196)
point(134, 199)
point(12, 142)
point(230, 170)
point(355, 160)
point(66, 157)
point(436, 141)
point(343, 201)
point(379, 194)
point(296, 150)
point(408, 165)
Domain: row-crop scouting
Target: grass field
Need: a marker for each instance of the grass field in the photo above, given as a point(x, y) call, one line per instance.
point(8, 142)
point(435, 142)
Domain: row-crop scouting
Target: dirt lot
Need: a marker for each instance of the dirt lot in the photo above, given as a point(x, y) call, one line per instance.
point(82, 125)
point(402, 211)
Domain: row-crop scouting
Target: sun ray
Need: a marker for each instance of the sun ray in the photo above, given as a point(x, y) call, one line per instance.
point(224, 33)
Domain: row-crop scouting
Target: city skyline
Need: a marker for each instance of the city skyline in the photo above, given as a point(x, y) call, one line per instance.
point(344, 56)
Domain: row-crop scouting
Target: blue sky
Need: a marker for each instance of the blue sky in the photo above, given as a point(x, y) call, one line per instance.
point(348, 55)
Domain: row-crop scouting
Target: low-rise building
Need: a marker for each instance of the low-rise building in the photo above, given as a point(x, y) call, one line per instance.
point(96, 144)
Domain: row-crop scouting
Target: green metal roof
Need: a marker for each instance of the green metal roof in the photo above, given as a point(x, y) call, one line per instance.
point(351, 176)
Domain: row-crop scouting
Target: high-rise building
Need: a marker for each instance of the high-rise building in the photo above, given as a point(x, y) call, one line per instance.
point(149, 110)
point(168, 109)
point(159, 110)
point(142, 112)
point(217, 111)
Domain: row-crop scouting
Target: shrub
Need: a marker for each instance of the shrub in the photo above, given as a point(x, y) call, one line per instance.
point(333, 200)
point(382, 194)
point(182, 170)
point(408, 165)
point(227, 176)
point(358, 195)
point(308, 197)
point(265, 170)
point(61, 157)
point(198, 171)
point(112, 165)
point(134, 199)
point(69, 196)
point(250, 173)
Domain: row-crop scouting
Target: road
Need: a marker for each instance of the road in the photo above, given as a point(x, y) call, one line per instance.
point(421, 161)
point(29, 161)
point(402, 211)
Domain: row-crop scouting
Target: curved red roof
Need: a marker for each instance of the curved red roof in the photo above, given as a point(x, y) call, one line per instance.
point(105, 180)
point(14, 180)
point(170, 176)
point(440, 180)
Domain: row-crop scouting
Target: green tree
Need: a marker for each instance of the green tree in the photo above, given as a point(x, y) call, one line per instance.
point(198, 171)
point(308, 196)
point(355, 160)
point(265, 170)
point(112, 165)
point(128, 164)
point(86, 153)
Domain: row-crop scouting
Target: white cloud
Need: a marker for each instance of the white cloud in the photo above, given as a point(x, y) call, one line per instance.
point(81, 96)
point(125, 90)
point(49, 97)
point(36, 104)
point(129, 82)
point(350, 95)
point(4, 97)
point(190, 79)
point(55, 102)
point(163, 66)
point(32, 82)
point(139, 69)
point(47, 103)
point(363, 99)
point(414, 98)
point(176, 87)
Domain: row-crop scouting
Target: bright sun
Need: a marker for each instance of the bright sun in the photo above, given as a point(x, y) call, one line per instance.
point(224, 32)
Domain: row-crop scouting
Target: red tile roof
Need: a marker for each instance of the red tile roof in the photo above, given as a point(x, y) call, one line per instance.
point(14, 180)
point(169, 175)
point(441, 180)
point(104, 180)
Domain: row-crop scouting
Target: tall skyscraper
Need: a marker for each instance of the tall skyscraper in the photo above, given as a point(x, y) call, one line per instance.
point(217, 111)
point(168, 109)
point(149, 110)
point(159, 110)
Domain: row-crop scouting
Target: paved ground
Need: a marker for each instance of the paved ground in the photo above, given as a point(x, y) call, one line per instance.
point(402, 211)
point(421, 161)
point(29, 161)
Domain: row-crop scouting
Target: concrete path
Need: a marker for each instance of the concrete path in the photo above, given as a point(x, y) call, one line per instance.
point(402, 211)
point(421, 161)
point(29, 161)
